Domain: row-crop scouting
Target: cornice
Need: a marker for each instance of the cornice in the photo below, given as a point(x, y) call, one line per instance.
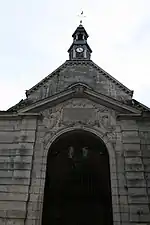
point(79, 90)
point(42, 82)
point(13, 116)
point(141, 116)
point(111, 78)
point(80, 62)
point(111, 103)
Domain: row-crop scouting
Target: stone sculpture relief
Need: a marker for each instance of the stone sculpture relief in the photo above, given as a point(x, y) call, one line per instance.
point(52, 117)
point(100, 117)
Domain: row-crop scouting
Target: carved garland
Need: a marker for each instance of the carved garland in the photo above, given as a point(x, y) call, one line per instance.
point(53, 118)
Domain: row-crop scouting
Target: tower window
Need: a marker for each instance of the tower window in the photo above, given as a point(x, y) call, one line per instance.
point(80, 37)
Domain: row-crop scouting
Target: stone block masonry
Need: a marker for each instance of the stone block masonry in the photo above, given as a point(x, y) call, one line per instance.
point(17, 138)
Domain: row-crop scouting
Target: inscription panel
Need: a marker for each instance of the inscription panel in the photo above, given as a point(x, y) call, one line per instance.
point(78, 114)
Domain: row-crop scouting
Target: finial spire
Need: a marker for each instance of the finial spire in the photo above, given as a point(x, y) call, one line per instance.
point(81, 17)
point(80, 50)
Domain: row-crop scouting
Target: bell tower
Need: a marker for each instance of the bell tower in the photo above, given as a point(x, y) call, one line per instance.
point(80, 50)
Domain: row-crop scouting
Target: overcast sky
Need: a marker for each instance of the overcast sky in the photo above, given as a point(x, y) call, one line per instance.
point(36, 34)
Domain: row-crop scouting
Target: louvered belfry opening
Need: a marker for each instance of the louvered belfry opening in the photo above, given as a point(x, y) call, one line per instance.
point(77, 187)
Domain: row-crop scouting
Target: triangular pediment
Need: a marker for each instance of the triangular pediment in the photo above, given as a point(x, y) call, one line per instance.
point(70, 73)
point(85, 67)
point(79, 90)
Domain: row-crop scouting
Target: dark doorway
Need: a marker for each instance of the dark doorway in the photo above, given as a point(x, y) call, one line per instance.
point(77, 187)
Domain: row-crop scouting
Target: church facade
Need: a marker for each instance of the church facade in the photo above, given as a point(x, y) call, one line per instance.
point(76, 150)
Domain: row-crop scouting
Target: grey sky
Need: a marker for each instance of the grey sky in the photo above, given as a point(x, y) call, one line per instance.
point(36, 34)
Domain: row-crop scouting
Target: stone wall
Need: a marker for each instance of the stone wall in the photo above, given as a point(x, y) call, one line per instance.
point(86, 73)
point(17, 138)
point(63, 118)
point(134, 163)
point(26, 140)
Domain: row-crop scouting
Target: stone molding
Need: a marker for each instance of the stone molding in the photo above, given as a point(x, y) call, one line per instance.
point(7, 115)
point(79, 90)
point(75, 63)
point(102, 134)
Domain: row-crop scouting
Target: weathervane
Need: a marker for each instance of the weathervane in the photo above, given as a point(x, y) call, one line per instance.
point(81, 17)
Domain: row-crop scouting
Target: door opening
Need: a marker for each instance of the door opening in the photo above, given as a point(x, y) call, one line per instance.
point(77, 187)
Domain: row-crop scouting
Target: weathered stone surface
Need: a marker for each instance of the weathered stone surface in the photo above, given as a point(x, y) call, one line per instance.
point(9, 125)
point(16, 146)
point(21, 174)
point(129, 125)
point(135, 209)
point(12, 204)
point(130, 133)
point(134, 167)
point(16, 163)
point(138, 199)
point(25, 142)
point(140, 218)
point(13, 196)
point(12, 181)
point(137, 191)
point(9, 137)
point(133, 160)
point(134, 175)
point(14, 188)
point(13, 214)
point(133, 140)
point(13, 166)
point(132, 153)
point(15, 152)
point(32, 221)
point(15, 222)
point(131, 147)
point(136, 183)
point(78, 114)
point(80, 72)
point(28, 124)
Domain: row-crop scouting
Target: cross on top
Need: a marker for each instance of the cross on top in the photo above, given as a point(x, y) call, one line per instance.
point(81, 17)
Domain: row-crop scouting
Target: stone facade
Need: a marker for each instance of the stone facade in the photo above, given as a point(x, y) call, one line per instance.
point(79, 71)
point(77, 96)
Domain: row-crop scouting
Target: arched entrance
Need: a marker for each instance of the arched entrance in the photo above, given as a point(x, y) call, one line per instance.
point(77, 188)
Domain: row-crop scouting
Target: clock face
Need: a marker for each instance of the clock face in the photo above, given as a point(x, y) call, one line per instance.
point(79, 49)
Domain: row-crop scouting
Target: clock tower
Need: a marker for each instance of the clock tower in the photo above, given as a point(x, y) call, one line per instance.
point(80, 50)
